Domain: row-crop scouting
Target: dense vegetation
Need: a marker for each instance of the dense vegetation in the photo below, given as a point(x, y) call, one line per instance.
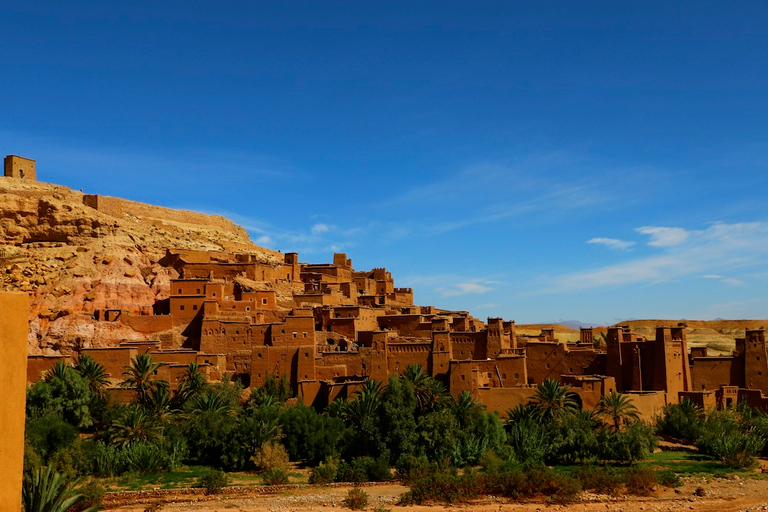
point(410, 423)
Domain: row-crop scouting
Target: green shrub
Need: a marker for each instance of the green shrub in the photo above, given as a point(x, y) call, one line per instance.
point(146, 458)
point(49, 434)
point(529, 440)
point(632, 444)
point(682, 421)
point(275, 477)
point(735, 449)
point(357, 499)
point(325, 473)
point(668, 479)
point(32, 459)
point(568, 490)
point(93, 495)
point(212, 481)
point(410, 468)
point(364, 469)
point(271, 456)
point(640, 481)
point(443, 486)
point(600, 480)
point(107, 460)
point(70, 460)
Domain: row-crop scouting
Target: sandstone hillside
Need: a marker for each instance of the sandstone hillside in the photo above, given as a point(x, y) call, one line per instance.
point(718, 335)
point(74, 259)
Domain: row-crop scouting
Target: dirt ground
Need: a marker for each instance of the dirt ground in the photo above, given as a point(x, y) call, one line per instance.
point(719, 495)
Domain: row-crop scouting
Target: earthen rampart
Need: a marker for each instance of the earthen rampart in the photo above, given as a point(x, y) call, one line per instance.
point(118, 207)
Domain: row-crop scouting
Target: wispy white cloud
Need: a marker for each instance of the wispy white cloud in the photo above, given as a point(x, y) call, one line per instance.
point(450, 285)
point(612, 243)
point(532, 188)
point(320, 228)
point(724, 279)
point(465, 289)
point(664, 237)
point(719, 250)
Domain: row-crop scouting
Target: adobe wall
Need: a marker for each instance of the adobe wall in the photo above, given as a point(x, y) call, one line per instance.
point(353, 362)
point(13, 379)
point(407, 325)
point(117, 207)
point(38, 365)
point(400, 355)
point(148, 324)
point(275, 361)
point(469, 375)
point(297, 330)
point(114, 359)
point(710, 373)
point(706, 400)
point(499, 400)
point(468, 345)
point(590, 388)
point(649, 404)
point(550, 360)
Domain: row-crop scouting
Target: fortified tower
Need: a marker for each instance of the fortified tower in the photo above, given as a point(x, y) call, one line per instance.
point(756, 360)
point(20, 167)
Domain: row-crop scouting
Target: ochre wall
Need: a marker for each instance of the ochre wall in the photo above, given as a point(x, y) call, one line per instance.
point(712, 372)
point(13, 380)
point(38, 365)
point(116, 207)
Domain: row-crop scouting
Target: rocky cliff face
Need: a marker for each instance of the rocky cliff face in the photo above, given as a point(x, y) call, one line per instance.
point(73, 259)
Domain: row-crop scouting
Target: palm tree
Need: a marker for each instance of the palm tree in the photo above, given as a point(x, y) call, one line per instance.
point(93, 372)
point(57, 371)
point(135, 425)
point(520, 413)
point(618, 408)
point(47, 491)
point(430, 394)
point(192, 382)
point(140, 375)
point(211, 401)
point(367, 401)
point(159, 402)
point(339, 408)
point(466, 408)
point(552, 399)
point(363, 412)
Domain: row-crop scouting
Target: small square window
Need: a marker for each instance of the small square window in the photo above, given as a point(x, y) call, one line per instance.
point(462, 377)
point(194, 307)
point(181, 308)
point(264, 301)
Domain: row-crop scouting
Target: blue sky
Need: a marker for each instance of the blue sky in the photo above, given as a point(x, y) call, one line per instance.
point(539, 161)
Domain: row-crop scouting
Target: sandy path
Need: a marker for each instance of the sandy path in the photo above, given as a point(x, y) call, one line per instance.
point(721, 496)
